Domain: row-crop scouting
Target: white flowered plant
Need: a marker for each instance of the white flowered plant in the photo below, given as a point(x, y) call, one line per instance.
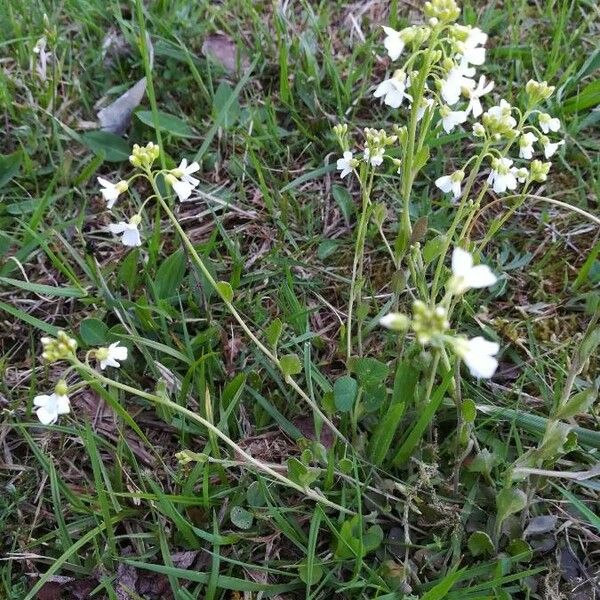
point(63, 348)
point(434, 90)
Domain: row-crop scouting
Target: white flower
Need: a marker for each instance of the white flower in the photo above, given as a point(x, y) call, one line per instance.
point(393, 90)
point(452, 118)
point(109, 357)
point(346, 164)
point(502, 176)
point(181, 179)
point(425, 104)
point(375, 157)
point(395, 321)
point(550, 148)
point(49, 407)
point(394, 44)
point(470, 50)
point(547, 123)
point(110, 191)
point(453, 84)
point(479, 356)
point(465, 276)
point(474, 93)
point(526, 145)
point(521, 174)
point(131, 235)
point(451, 183)
point(502, 114)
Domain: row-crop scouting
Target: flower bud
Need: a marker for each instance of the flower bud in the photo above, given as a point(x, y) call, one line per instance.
point(61, 388)
point(539, 170)
point(395, 321)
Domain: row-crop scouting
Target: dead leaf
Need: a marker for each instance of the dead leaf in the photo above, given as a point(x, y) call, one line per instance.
point(115, 117)
point(540, 525)
point(306, 426)
point(126, 581)
point(184, 560)
point(50, 591)
point(222, 49)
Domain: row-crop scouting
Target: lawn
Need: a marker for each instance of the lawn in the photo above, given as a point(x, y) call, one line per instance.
point(346, 348)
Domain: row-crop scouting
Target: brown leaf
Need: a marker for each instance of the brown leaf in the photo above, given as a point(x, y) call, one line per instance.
point(184, 560)
point(126, 581)
point(50, 591)
point(221, 48)
point(306, 426)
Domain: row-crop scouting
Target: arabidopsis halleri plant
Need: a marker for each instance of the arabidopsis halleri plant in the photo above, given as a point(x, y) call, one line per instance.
point(130, 235)
point(479, 356)
point(181, 179)
point(430, 324)
point(451, 183)
point(111, 191)
point(110, 357)
point(434, 88)
point(465, 276)
point(48, 407)
point(526, 142)
point(393, 90)
point(346, 164)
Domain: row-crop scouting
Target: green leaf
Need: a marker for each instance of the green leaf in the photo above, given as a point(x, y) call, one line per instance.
point(45, 290)
point(241, 518)
point(9, 166)
point(480, 543)
point(426, 414)
point(93, 332)
point(578, 404)
point(510, 500)
point(433, 248)
point(111, 146)
point(350, 544)
point(344, 201)
point(345, 390)
point(168, 123)
point(299, 473)
point(169, 275)
point(588, 97)
point(521, 549)
point(370, 371)
point(273, 332)
point(315, 575)
point(225, 290)
point(224, 103)
point(383, 435)
point(468, 410)
point(290, 364)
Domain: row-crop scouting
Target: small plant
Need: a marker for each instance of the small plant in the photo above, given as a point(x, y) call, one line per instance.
point(393, 445)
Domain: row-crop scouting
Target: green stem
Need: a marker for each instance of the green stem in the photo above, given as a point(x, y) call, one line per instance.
point(236, 315)
point(417, 90)
point(312, 494)
point(357, 263)
point(457, 218)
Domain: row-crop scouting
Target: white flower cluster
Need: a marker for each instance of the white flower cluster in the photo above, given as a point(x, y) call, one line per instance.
point(440, 73)
point(180, 179)
point(50, 406)
point(430, 324)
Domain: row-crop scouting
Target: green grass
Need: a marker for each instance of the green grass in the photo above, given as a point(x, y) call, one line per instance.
point(101, 498)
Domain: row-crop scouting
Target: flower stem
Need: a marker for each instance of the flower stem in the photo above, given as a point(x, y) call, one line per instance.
point(195, 257)
point(310, 493)
point(357, 264)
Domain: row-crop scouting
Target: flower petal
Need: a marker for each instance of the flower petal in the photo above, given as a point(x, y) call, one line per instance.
point(479, 277)
point(462, 262)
